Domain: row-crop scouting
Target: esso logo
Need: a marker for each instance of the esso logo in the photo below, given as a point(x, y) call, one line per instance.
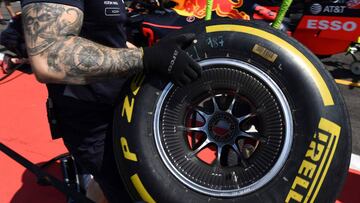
point(335, 25)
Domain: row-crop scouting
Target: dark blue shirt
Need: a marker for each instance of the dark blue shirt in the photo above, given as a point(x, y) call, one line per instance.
point(103, 23)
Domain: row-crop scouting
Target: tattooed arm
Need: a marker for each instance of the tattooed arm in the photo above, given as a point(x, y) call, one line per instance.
point(58, 55)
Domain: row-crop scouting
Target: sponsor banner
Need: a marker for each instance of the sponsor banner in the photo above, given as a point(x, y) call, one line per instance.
point(332, 27)
point(349, 8)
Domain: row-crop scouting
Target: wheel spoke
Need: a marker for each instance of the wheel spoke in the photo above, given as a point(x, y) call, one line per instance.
point(241, 157)
point(201, 147)
point(192, 133)
point(243, 160)
point(199, 129)
point(231, 106)
point(219, 152)
point(202, 114)
point(242, 118)
point(251, 135)
point(236, 148)
point(216, 106)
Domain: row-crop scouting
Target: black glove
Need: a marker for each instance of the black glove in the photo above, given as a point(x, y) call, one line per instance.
point(168, 59)
point(12, 37)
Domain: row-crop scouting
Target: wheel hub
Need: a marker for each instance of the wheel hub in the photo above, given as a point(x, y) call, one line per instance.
point(222, 127)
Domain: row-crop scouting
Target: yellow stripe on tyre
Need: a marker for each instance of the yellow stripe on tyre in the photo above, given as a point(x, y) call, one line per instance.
point(144, 194)
point(309, 67)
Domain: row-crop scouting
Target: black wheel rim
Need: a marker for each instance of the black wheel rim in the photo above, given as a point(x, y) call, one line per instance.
point(228, 134)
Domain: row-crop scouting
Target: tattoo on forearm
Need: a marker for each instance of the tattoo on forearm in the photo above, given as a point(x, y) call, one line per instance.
point(51, 30)
point(84, 61)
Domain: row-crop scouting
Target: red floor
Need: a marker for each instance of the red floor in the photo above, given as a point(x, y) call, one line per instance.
point(23, 127)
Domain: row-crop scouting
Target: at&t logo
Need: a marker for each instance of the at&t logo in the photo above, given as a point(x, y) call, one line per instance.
point(316, 8)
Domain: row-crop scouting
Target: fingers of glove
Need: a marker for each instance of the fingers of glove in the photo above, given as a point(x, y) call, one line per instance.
point(192, 74)
point(185, 40)
point(195, 67)
point(177, 82)
point(185, 79)
point(181, 79)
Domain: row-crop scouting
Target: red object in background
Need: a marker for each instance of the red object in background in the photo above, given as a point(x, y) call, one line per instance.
point(24, 128)
point(350, 192)
point(327, 35)
point(265, 12)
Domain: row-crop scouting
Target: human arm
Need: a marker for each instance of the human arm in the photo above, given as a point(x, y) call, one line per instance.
point(58, 55)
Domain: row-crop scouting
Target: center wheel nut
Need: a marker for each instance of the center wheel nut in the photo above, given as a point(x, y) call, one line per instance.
point(222, 127)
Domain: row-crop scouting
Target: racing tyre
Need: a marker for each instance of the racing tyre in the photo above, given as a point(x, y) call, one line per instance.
point(264, 123)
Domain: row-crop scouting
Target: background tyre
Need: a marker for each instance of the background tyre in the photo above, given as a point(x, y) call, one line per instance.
point(265, 123)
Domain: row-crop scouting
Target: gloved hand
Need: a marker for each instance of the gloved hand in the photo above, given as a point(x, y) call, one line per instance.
point(168, 59)
point(12, 37)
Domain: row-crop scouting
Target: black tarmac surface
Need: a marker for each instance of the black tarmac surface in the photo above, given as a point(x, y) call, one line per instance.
point(338, 65)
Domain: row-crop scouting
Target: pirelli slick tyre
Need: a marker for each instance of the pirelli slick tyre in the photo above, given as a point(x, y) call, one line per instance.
point(265, 123)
